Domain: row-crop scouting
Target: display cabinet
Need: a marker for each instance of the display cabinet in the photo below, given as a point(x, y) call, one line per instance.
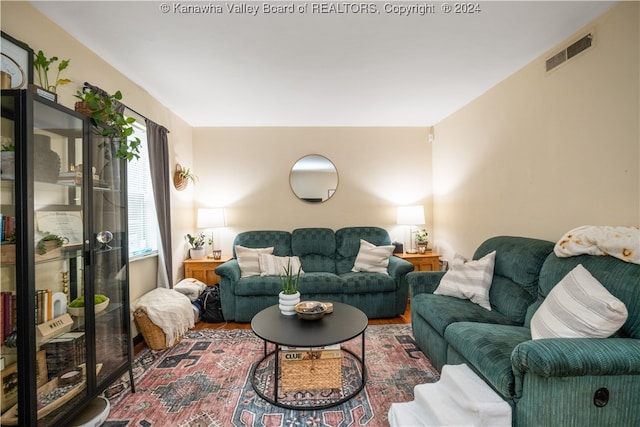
point(63, 203)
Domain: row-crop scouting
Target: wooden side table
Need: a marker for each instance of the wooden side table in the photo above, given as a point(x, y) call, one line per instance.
point(203, 269)
point(428, 261)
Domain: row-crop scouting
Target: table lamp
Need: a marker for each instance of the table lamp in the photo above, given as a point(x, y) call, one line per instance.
point(211, 218)
point(411, 216)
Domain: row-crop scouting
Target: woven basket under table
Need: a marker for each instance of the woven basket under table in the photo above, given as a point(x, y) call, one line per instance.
point(311, 374)
point(153, 335)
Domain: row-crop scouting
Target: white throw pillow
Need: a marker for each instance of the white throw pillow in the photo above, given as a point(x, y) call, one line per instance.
point(372, 258)
point(190, 287)
point(578, 307)
point(248, 260)
point(271, 265)
point(469, 280)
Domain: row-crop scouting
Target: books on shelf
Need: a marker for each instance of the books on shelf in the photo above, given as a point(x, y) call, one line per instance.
point(65, 352)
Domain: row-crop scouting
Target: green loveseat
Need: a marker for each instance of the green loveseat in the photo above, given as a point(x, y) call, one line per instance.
point(327, 259)
point(548, 382)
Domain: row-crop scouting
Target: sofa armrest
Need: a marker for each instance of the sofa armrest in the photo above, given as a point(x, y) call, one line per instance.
point(398, 267)
point(567, 357)
point(424, 282)
point(230, 271)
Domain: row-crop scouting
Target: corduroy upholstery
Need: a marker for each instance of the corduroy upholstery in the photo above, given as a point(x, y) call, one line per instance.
point(327, 258)
point(546, 381)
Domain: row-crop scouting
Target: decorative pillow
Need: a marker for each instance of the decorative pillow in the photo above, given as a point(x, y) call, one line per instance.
point(469, 280)
point(578, 307)
point(372, 258)
point(271, 265)
point(190, 287)
point(248, 260)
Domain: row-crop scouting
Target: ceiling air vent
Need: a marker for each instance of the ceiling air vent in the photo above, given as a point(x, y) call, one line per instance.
point(569, 52)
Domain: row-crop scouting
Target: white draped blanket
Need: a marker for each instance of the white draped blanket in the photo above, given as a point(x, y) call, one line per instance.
point(619, 242)
point(169, 310)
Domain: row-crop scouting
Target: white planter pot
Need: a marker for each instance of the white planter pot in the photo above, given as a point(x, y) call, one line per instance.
point(197, 253)
point(288, 302)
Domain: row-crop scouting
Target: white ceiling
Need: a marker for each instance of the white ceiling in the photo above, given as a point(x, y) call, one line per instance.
point(317, 69)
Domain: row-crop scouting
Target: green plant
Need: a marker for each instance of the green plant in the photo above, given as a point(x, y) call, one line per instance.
point(422, 235)
point(289, 281)
point(48, 237)
point(41, 64)
point(8, 148)
point(196, 241)
point(185, 173)
point(112, 123)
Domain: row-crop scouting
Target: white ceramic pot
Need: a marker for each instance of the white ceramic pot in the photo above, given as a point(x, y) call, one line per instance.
point(288, 302)
point(197, 253)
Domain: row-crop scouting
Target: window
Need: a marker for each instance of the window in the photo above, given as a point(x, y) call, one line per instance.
point(143, 221)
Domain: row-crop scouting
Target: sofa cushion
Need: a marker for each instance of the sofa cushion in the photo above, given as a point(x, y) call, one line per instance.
point(622, 279)
point(271, 265)
point(348, 244)
point(372, 258)
point(258, 286)
point(470, 280)
point(510, 299)
point(367, 282)
point(440, 311)
point(249, 259)
point(316, 248)
point(578, 307)
point(488, 348)
point(318, 282)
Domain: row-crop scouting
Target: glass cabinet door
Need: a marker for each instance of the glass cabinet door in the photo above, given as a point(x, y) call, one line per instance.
point(56, 155)
point(109, 257)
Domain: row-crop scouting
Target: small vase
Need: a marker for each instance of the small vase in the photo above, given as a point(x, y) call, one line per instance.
point(197, 253)
point(288, 302)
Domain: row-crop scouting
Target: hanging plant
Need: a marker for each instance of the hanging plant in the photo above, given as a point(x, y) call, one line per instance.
point(182, 176)
point(110, 121)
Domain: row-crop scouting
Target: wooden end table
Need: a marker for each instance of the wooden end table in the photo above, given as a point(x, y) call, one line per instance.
point(428, 261)
point(203, 269)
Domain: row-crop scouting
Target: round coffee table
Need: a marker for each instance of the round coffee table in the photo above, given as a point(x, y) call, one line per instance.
point(344, 324)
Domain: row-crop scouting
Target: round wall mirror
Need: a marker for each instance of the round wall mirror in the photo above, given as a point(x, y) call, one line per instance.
point(313, 178)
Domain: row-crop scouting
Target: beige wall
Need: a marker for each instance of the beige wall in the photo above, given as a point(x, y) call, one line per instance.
point(246, 171)
point(540, 154)
point(22, 21)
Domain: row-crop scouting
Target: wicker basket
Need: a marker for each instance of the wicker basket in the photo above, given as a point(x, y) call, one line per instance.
point(153, 335)
point(311, 374)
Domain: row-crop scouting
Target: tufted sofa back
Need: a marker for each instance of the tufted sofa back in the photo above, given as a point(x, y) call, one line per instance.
point(515, 275)
point(280, 240)
point(348, 244)
point(316, 248)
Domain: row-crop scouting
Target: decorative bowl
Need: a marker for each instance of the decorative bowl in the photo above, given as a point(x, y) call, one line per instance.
point(310, 310)
point(79, 311)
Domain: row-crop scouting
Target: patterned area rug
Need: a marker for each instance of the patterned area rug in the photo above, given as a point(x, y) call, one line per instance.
point(204, 381)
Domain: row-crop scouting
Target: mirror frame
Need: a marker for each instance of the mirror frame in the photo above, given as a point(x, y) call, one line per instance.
point(330, 191)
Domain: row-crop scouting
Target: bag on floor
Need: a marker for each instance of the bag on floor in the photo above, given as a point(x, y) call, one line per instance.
point(211, 311)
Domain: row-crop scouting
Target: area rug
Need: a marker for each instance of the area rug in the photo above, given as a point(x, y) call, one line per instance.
point(204, 381)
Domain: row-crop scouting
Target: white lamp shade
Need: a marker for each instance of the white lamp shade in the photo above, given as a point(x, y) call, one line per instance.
point(411, 215)
point(211, 218)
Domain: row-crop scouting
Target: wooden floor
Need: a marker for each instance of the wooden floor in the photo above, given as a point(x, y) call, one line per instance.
point(404, 319)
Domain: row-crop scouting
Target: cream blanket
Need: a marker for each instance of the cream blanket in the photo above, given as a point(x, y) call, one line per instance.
point(169, 310)
point(619, 242)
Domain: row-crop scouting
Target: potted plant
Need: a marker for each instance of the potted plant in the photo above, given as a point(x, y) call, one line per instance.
point(41, 64)
point(110, 121)
point(182, 176)
point(422, 240)
point(289, 296)
point(8, 160)
point(196, 243)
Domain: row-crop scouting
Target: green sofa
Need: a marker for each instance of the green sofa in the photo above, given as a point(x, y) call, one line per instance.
point(327, 258)
point(548, 382)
